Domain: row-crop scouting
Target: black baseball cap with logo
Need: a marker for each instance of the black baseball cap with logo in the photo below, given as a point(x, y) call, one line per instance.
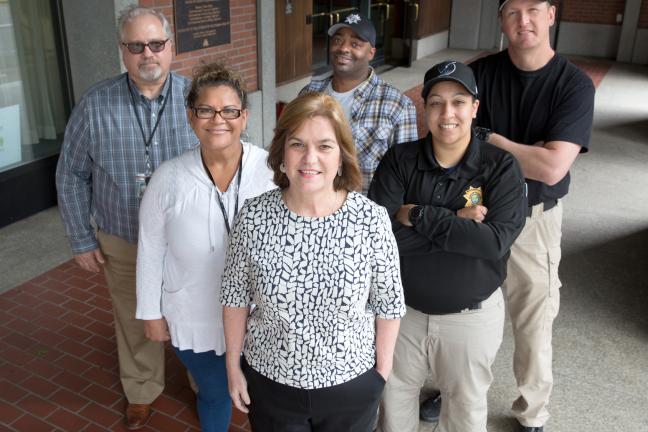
point(450, 70)
point(503, 2)
point(360, 24)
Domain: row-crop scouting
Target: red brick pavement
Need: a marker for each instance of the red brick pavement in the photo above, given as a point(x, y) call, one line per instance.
point(58, 362)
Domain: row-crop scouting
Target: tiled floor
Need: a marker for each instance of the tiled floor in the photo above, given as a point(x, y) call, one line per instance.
point(58, 367)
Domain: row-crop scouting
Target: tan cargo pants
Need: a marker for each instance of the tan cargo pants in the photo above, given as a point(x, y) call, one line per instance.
point(533, 299)
point(456, 351)
point(141, 361)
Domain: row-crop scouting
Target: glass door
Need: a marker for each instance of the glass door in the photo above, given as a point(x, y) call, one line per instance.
point(34, 105)
point(33, 108)
point(381, 14)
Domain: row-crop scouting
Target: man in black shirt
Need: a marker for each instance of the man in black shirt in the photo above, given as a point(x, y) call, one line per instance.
point(539, 107)
point(457, 204)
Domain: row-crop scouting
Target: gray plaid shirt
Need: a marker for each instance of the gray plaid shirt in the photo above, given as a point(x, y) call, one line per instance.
point(103, 150)
point(380, 117)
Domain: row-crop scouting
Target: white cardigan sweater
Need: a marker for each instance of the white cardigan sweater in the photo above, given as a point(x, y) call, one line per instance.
point(183, 242)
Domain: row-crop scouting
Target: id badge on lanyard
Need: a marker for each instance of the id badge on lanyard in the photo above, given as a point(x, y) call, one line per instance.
point(142, 179)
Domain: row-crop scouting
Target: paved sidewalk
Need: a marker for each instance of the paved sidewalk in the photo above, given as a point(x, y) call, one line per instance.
point(58, 367)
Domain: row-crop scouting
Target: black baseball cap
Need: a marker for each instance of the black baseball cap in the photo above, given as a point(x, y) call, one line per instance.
point(503, 2)
point(360, 24)
point(449, 70)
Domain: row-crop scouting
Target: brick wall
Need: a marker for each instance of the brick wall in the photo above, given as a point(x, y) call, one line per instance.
point(643, 15)
point(240, 53)
point(592, 11)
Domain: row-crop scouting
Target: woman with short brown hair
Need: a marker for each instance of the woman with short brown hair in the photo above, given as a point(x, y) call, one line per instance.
point(319, 262)
point(311, 105)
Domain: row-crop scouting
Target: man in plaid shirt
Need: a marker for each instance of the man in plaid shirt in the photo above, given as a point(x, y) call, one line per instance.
point(119, 132)
point(380, 115)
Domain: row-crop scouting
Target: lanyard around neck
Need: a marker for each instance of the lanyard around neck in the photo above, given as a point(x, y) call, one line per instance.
point(238, 186)
point(147, 141)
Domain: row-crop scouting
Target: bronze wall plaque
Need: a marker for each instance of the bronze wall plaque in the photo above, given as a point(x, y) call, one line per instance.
point(201, 24)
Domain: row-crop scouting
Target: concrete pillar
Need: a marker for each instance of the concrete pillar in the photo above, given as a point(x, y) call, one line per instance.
point(489, 29)
point(91, 41)
point(628, 30)
point(266, 52)
point(119, 6)
point(465, 24)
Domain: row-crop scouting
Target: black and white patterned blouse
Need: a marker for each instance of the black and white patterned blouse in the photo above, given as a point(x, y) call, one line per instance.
point(318, 284)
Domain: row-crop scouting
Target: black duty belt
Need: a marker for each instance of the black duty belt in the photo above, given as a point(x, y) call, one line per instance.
point(547, 205)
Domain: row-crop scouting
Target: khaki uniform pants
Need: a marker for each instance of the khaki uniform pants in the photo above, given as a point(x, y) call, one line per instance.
point(141, 361)
point(533, 298)
point(456, 351)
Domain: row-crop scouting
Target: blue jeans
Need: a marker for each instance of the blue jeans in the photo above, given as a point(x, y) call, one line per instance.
point(214, 403)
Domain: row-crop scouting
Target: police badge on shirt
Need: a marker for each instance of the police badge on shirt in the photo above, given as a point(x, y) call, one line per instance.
point(473, 196)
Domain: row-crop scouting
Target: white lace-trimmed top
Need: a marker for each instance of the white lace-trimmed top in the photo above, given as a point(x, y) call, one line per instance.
point(318, 284)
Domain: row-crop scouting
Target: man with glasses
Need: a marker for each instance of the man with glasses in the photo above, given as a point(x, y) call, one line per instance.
point(539, 107)
point(120, 131)
point(378, 113)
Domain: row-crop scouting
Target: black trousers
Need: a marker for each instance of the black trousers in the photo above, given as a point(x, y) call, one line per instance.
point(348, 407)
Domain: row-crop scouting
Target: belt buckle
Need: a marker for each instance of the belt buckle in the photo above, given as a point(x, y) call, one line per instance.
point(475, 306)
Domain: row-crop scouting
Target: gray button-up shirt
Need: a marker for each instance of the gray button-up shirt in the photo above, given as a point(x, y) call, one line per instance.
point(103, 151)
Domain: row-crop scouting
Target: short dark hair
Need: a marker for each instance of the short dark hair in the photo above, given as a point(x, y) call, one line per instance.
point(214, 75)
point(305, 107)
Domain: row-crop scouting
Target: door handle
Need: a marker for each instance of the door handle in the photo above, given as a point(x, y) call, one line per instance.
point(387, 7)
point(415, 5)
point(337, 13)
point(309, 18)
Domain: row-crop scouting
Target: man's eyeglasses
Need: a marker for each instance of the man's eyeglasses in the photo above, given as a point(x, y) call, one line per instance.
point(138, 47)
point(210, 113)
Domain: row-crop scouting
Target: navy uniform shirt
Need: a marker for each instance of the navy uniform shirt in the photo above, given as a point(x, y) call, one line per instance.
point(449, 263)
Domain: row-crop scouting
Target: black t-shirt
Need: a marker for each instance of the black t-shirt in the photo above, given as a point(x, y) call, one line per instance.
point(553, 103)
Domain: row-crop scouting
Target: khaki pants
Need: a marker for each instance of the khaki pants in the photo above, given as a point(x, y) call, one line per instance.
point(456, 351)
point(141, 361)
point(533, 298)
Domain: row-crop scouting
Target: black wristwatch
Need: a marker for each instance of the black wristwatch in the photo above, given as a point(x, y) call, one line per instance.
point(482, 133)
point(415, 214)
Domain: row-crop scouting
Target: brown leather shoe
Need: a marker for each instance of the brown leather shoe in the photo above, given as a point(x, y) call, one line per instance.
point(137, 415)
